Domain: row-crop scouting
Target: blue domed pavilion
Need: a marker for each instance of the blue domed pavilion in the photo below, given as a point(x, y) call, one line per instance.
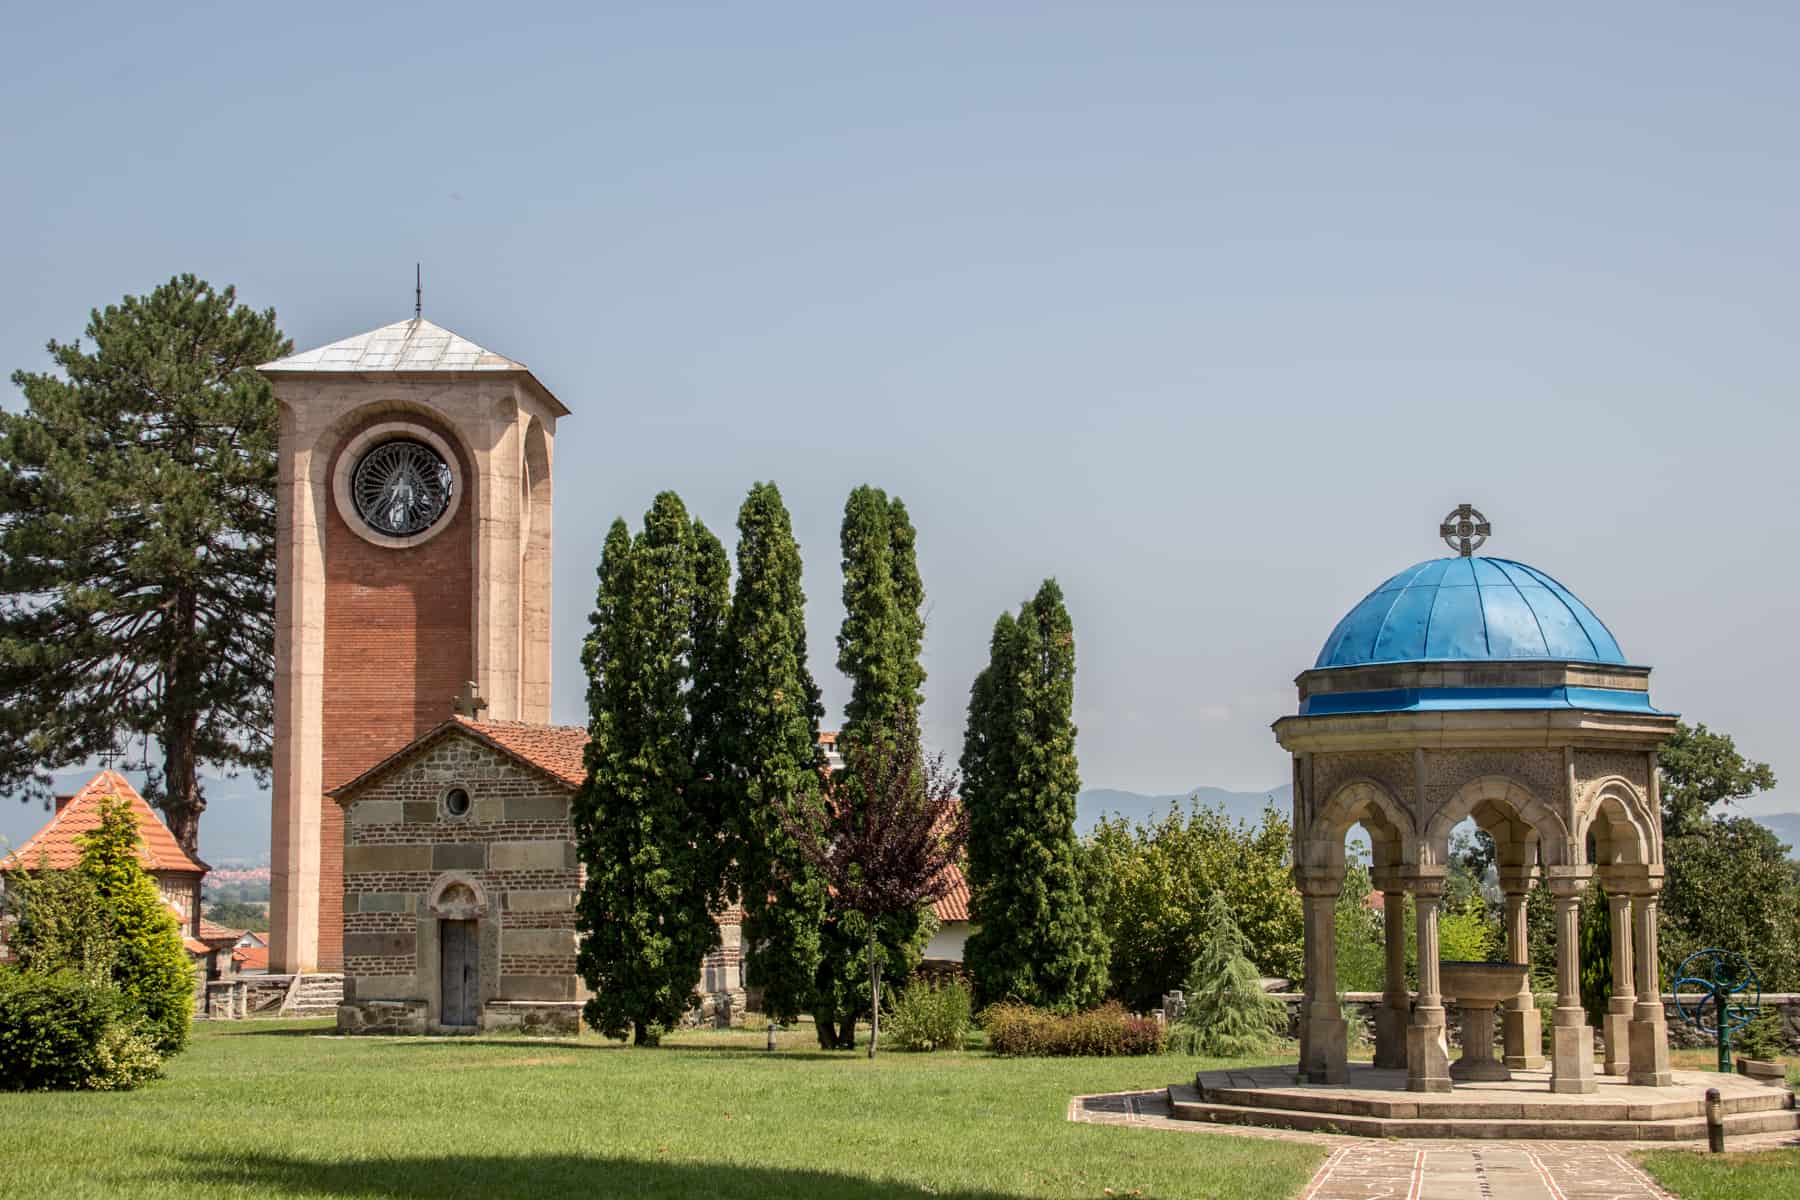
point(1474, 687)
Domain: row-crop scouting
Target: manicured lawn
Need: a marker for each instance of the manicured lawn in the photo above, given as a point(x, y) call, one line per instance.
point(266, 1109)
point(1764, 1175)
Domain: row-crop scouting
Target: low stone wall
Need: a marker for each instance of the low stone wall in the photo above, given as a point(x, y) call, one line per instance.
point(1681, 1034)
point(382, 1016)
point(545, 1018)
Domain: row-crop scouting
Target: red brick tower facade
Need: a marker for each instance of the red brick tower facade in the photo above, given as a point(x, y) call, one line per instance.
point(413, 532)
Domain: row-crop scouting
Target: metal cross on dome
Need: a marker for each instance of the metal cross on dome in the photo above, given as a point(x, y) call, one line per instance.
point(1465, 530)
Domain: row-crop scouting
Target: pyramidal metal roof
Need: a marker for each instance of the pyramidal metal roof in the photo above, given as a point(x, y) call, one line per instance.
point(404, 348)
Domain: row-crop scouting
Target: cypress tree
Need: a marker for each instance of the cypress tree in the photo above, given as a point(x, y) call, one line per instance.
point(878, 649)
point(652, 857)
point(1037, 940)
point(137, 560)
point(774, 733)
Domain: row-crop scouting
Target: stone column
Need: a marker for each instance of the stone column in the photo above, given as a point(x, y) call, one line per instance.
point(1617, 1025)
point(1324, 1034)
point(1521, 1028)
point(1572, 1051)
point(1649, 1034)
point(1396, 1001)
point(1427, 1046)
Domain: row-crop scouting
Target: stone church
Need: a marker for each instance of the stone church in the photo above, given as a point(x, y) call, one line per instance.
point(427, 857)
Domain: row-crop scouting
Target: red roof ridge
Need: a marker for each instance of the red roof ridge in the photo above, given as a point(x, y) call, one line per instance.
point(57, 846)
point(553, 750)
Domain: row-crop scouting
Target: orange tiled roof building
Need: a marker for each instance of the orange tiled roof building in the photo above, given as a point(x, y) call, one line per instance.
point(178, 874)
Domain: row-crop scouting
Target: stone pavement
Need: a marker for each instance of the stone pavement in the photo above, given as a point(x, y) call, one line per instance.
point(1384, 1169)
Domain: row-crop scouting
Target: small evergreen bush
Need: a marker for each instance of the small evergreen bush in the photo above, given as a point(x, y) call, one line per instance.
point(1761, 1039)
point(150, 964)
point(60, 1030)
point(931, 1016)
point(1228, 1014)
point(1018, 1030)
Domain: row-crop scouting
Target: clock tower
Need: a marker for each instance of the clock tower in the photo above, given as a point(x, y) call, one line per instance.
point(413, 558)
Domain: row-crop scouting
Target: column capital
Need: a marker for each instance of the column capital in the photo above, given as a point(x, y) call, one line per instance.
point(1631, 879)
point(1568, 883)
point(1426, 881)
point(1388, 879)
point(1318, 885)
point(1516, 879)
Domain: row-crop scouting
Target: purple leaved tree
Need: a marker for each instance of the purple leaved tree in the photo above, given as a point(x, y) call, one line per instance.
point(888, 837)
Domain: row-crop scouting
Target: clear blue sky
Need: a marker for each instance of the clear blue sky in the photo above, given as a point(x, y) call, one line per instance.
point(1211, 312)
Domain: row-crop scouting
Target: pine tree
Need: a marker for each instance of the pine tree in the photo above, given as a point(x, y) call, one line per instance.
point(150, 965)
point(1037, 939)
point(878, 649)
point(137, 561)
point(1228, 1015)
point(774, 724)
point(652, 855)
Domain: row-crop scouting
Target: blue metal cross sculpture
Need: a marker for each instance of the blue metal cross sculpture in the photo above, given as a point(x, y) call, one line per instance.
point(1710, 978)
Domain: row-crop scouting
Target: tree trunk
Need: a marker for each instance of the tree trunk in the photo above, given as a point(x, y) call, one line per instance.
point(182, 802)
point(874, 996)
point(826, 1029)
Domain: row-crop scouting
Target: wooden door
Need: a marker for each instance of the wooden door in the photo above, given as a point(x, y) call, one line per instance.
point(460, 972)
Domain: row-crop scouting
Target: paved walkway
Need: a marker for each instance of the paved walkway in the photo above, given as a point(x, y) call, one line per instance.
point(1370, 1169)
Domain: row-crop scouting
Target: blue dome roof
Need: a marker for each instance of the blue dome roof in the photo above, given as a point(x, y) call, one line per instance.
point(1469, 610)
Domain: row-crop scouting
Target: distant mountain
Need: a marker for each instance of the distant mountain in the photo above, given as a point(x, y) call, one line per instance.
point(1095, 803)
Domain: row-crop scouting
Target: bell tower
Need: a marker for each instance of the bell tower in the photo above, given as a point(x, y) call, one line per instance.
point(412, 557)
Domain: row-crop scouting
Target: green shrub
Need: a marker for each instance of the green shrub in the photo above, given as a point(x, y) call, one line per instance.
point(60, 1030)
point(931, 1016)
point(151, 966)
point(1019, 1030)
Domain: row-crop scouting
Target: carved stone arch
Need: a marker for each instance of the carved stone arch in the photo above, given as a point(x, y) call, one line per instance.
point(1616, 813)
point(1358, 800)
point(457, 896)
point(1499, 796)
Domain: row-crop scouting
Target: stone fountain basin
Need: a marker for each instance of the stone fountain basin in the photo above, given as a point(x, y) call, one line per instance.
point(1475, 983)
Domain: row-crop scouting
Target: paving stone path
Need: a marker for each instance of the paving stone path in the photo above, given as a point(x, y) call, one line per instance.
point(1368, 1169)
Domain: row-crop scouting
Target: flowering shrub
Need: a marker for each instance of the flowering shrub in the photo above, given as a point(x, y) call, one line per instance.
point(1104, 1032)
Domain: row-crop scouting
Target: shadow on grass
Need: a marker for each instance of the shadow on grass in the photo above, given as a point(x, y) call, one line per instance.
point(429, 1178)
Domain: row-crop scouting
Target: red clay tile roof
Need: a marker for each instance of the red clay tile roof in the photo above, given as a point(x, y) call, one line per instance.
point(954, 906)
point(216, 934)
point(251, 958)
point(556, 750)
point(56, 845)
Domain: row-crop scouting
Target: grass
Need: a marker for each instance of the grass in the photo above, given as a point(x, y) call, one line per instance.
point(277, 1109)
point(1760, 1175)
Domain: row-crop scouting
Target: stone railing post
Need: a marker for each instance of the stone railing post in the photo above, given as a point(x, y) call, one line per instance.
point(1427, 1043)
point(1649, 1030)
point(1324, 1035)
point(1572, 1052)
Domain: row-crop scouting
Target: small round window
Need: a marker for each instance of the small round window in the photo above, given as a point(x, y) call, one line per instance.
point(456, 802)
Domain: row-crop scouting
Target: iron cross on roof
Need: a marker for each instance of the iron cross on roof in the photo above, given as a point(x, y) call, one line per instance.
point(468, 702)
point(1465, 530)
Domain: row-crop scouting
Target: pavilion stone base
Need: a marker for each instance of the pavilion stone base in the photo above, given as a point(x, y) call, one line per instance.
point(1522, 1032)
point(1572, 1060)
point(1390, 1036)
point(1377, 1103)
point(1327, 1047)
point(1615, 1028)
point(1650, 1049)
point(1427, 1055)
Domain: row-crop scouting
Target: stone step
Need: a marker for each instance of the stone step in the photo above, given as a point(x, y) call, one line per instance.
point(1419, 1106)
point(1186, 1104)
